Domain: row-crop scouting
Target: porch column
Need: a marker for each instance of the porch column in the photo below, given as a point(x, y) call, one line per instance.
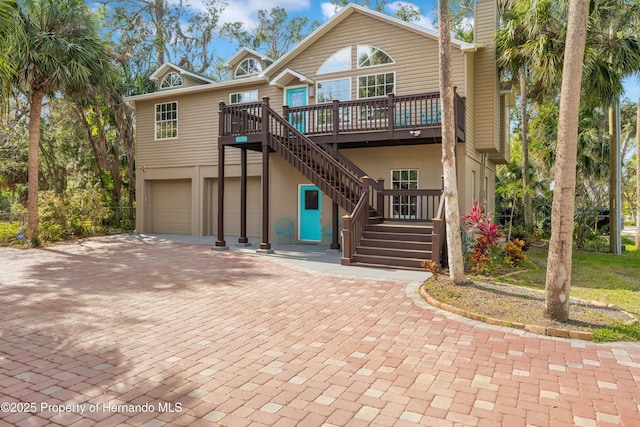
point(265, 246)
point(243, 240)
point(220, 243)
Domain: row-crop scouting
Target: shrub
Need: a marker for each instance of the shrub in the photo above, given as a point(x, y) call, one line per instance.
point(488, 235)
point(9, 232)
point(514, 250)
point(78, 214)
point(432, 267)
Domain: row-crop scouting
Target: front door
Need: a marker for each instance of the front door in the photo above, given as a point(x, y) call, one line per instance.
point(297, 97)
point(310, 208)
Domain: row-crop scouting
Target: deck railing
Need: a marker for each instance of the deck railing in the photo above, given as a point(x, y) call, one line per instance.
point(346, 117)
point(373, 114)
point(417, 205)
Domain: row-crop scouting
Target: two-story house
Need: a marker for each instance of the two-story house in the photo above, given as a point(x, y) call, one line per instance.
point(341, 136)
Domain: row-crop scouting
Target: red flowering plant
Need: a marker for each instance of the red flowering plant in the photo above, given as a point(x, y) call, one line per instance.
point(488, 235)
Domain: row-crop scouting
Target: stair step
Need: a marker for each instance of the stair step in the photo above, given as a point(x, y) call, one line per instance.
point(394, 267)
point(402, 227)
point(393, 252)
point(396, 244)
point(407, 237)
point(390, 261)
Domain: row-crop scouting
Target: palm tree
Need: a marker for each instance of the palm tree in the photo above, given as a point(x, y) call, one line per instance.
point(613, 53)
point(509, 40)
point(7, 35)
point(638, 176)
point(452, 213)
point(558, 278)
point(64, 54)
point(529, 48)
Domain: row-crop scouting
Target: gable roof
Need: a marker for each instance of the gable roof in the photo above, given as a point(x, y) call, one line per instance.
point(239, 55)
point(343, 14)
point(164, 68)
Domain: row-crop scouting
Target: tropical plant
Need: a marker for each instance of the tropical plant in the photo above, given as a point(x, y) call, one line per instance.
point(612, 53)
point(452, 219)
point(488, 234)
point(558, 277)
point(64, 54)
point(638, 176)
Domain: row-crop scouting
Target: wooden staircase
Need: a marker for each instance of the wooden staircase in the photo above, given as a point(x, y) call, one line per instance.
point(394, 244)
point(374, 242)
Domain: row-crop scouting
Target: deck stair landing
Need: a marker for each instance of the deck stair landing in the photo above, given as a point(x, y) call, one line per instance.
point(395, 244)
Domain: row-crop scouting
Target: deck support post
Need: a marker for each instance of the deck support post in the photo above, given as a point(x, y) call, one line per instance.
point(265, 246)
point(243, 240)
point(220, 243)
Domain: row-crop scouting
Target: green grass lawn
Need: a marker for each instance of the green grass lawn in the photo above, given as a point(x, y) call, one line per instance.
point(614, 279)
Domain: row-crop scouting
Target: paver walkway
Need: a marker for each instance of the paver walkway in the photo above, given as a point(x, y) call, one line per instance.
point(172, 334)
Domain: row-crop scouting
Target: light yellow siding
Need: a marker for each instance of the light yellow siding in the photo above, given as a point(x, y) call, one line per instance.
point(197, 141)
point(415, 56)
point(487, 97)
point(505, 146)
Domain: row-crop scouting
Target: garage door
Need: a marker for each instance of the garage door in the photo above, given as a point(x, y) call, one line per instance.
point(171, 206)
point(232, 206)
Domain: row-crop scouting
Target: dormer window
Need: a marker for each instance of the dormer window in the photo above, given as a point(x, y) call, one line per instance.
point(248, 67)
point(339, 61)
point(370, 56)
point(171, 80)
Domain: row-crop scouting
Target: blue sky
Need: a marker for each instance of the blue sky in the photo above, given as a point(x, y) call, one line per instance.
point(245, 11)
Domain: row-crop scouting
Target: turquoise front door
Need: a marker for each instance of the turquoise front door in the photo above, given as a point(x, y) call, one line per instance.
point(310, 208)
point(297, 97)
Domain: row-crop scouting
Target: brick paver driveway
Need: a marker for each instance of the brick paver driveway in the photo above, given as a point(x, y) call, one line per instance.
point(109, 331)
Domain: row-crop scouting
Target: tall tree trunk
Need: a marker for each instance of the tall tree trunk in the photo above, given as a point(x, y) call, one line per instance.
point(37, 94)
point(158, 8)
point(638, 176)
point(525, 147)
point(452, 214)
point(558, 279)
point(614, 215)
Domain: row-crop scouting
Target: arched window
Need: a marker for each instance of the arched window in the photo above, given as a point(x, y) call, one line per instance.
point(171, 80)
point(339, 61)
point(248, 67)
point(369, 56)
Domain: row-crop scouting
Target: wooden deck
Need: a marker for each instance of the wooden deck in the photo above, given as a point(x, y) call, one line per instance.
point(407, 119)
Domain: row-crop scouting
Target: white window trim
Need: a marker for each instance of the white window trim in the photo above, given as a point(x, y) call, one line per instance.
point(172, 86)
point(333, 80)
point(155, 122)
point(243, 92)
point(319, 72)
point(359, 67)
point(235, 73)
point(395, 84)
point(417, 215)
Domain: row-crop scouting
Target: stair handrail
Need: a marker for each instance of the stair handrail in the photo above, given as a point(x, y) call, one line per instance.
point(353, 227)
point(284, 137)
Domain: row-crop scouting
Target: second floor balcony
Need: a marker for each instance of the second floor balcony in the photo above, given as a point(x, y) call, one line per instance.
point(406, 119)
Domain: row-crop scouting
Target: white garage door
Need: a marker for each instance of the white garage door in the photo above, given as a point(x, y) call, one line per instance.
point(171, 206)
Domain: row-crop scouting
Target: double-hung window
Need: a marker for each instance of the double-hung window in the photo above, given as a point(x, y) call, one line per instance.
point(404, 206)
point(375, 86)
point(167, 120)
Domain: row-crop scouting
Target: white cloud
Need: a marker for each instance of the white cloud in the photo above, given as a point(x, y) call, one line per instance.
point(328, 9)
